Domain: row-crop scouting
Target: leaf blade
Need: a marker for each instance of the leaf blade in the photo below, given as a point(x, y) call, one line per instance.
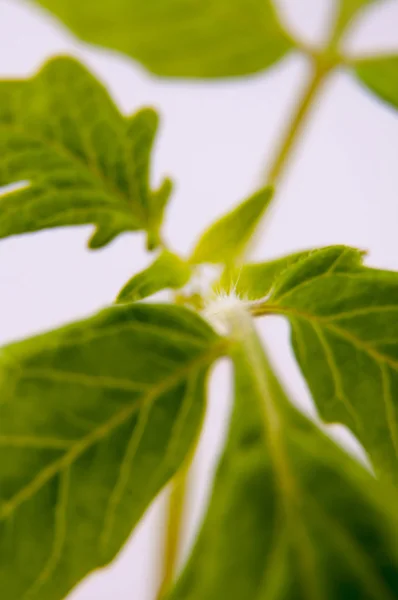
point(291, 515)
point(182, 39)
point(168, 271)
point(81, 161)
point(380, 76)
point(344, 335)
point(347, 12)
point(254, 281)
point(98, 400)
point(227, 237)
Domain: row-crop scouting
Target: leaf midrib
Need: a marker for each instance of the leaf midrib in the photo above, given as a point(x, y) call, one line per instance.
point(287, 485)
point(350, 545)
point(293, 495)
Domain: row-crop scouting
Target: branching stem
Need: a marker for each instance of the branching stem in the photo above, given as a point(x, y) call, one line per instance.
point(322, 66)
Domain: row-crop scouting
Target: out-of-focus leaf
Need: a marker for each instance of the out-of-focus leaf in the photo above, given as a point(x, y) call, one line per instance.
point(347, 11)
point(168, 271)
point(381, 77)
point(228, 237)
point(181, 38)
point(81, 160)
point(345, 337)
point(291, 516)
point(94, 419)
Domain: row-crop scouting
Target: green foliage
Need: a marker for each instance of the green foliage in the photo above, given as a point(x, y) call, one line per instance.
point(381, 77)
point(97, 417)
point(228, 237)
point(81, 160)
point(254, 281)
point(94, 420)
point(291, 516)
point(347, 11)
point(181, 38)
point(345, 336)
point(168, 271)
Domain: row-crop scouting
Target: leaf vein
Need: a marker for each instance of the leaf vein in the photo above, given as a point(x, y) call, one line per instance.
point(24, 441)
point(389, 406)
point(338, 385)
point(106, 429)
point(60, 531)
point(66, 154)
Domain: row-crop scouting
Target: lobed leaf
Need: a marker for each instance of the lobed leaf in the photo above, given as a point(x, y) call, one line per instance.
point(291, 516)
point(94, 419)
point(80, 160)
point(168, 271)
point(380, 76)
point(181, 38)
point(228, 237)
point(345, 336)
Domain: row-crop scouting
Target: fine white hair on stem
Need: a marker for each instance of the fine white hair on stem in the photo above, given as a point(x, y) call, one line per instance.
point(223, 308)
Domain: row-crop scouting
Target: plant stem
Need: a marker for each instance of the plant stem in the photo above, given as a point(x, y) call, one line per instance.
point(175, 508)
point(174, 525)
point(322, 65)
point(320, 73)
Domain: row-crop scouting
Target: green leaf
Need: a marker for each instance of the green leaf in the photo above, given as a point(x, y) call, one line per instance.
point(228, 237)
point(168, 271)
point(347, 11)
point(254, 281)
point(81, 161)
point(94, 419)
point(381, 77)
point(181, 38)
point(291, 516)
point(345, 337)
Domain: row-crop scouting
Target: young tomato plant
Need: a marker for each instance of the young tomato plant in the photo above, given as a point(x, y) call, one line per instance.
point(98, 416)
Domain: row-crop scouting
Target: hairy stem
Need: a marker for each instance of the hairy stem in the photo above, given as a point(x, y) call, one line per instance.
point(174, 526)
point(321, 69)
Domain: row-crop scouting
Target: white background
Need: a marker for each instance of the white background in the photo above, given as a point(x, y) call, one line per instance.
point(215, 141)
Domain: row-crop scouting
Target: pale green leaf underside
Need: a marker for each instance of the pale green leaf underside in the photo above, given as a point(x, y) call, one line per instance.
point(181, 38)
point(168, 271)
point(228, 237)
point(345, 336)
point(94, 420)
point(380, 76)
point(80, 160)
point(291, 517)
point(254, 281)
